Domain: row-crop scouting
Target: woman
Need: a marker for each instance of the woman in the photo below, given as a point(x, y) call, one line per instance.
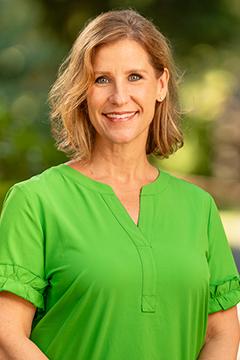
point(107, 256)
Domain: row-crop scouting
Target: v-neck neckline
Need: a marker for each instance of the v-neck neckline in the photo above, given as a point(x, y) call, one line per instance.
point(150, 188)
point(112, 200)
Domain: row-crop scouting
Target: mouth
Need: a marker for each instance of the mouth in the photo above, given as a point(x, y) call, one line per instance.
point(120, 117)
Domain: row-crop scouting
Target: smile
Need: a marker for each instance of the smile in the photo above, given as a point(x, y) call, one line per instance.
point(115, 117)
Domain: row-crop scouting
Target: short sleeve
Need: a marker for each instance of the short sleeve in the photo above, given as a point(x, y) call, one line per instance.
point(224, 277)
point(22, 246)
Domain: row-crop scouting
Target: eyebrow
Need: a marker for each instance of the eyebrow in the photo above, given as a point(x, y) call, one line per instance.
point(127, 72)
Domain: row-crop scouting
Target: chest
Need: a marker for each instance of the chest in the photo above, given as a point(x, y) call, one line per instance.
point(99, 249)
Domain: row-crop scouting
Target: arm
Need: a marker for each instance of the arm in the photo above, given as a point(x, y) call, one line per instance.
point(223, 335)
point(16, 315)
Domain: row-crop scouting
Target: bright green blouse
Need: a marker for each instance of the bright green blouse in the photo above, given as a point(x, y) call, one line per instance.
point(104, 287)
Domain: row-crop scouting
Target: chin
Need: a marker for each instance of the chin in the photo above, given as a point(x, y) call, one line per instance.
point(122, 138)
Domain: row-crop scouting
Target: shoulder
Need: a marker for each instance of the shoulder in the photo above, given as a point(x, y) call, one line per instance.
point(183, 189)
point(34, 187)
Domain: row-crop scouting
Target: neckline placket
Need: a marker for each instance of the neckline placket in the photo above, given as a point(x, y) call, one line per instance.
point(142, 244)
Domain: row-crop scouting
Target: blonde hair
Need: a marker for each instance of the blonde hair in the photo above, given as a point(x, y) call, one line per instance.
point(71, 128)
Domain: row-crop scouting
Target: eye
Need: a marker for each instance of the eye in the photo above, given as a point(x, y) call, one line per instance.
point(135, 77)
point(101, 80)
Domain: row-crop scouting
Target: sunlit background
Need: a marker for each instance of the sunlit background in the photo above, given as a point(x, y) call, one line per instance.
point(36, 36)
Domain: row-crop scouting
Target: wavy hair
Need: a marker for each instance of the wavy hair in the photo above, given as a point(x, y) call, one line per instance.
point(70, 125)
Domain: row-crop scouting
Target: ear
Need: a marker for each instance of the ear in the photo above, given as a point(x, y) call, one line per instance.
point(162, 85)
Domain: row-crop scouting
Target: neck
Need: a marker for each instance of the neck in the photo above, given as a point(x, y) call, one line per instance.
point(122, 163)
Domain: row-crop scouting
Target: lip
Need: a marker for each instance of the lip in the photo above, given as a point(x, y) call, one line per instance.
point(116, 120)
point(120, 112)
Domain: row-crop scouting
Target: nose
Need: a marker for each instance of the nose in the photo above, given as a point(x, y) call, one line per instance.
point(119, 94)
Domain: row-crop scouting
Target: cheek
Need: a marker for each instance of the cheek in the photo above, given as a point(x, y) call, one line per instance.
point(95, 105)
point(94, 100)
point(150, 102)
point(147, 95)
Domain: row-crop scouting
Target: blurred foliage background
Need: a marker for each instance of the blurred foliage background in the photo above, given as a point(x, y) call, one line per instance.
point(36, 36)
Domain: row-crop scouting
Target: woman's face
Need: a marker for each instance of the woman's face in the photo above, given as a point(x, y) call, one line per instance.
point(121, 101)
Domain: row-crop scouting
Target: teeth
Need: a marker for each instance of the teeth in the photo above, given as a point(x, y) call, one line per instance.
point(120, 116)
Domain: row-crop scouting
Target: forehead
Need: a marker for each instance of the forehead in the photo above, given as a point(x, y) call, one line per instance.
point(122, 52)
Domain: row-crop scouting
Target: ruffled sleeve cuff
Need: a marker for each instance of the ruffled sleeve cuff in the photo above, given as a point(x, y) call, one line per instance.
point(224, 295)
point(22, 282)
